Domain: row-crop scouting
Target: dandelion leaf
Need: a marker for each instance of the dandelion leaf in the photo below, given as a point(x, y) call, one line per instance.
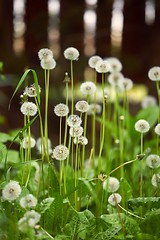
point(151, 224)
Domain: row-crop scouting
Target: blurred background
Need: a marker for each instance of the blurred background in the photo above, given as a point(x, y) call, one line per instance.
point(126, 29)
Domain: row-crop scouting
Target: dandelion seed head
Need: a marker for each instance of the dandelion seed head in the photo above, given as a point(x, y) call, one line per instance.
point(153, 161)
point(81, 140)
point(74, 121)
point(60, 152)
point(148, 101)
point(49, 65)
point(29, 201)
point(114, 199)
point(94, 108)
point(114, 78)
point(114, 63)
point(28, 142)
point(88, 88)
point(125, 84)
point(37, 168)
point(111, 184)
point(122, 117)
point(40, 145)
point(142, 126)
point(71, 53)
point(11, 191)
point(155, 180)
point(76, 131)
point(157, 129)
point(154, 73)
point(61, 110)
point(31, 91)
point(102, 66)
point(32, 217)
point(82, 106)
point(23, 225)
point(45, 54)
point(93, 60)
point(29, 108)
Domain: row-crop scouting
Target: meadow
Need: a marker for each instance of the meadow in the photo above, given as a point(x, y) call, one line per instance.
point(99, 178)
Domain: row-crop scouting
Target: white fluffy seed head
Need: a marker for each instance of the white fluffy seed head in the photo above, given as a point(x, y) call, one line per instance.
point(82, 106)
point(111, 184)
point(45, 54)
point(154, 73)
point(155, 180)
point(29, 108)
point(102, 66)
point(49, 65)
point(71, 53)
point(125, 84)
point(93, 60)
point(81, 140)
point(60, 152)
point(148, 101)
point(61, 110)
point(114, 63)
point(11, 191)
point(33, 216)
point(88, 88)
point(31, 90)
point(142, 126)
point(28, 142)
point(114, 78)
point(94, 108)
point(114, 199)
point(157, 129)
point(76, 131)
point(74, 121)
point(29, 201)
point(41, 143)
point(153, 161)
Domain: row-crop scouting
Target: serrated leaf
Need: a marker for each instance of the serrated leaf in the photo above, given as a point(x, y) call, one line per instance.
point(142, 236)
point(109, 233)
point(147, 202)
point(45, 204)
point(130, 225)
point(3, 151)
point(151, 223)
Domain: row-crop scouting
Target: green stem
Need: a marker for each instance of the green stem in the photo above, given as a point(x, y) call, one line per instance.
point(102, 127)
point(128, 212)
point(46, 112)
point(72, 88)
point(66, 126)
point(94, 125)
point(158, 93)
point(60, 130)
point(84, 147)
point(141, 175)
point(28, 151)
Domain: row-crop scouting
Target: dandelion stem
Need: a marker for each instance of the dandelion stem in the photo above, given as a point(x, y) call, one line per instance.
point(158, 93)
point(72, 88)
point(134, 215)
point(141, 175)
point(120, 219)
point(46, 111)
point(102, 127)
point(125, 163)
point(60, 130)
